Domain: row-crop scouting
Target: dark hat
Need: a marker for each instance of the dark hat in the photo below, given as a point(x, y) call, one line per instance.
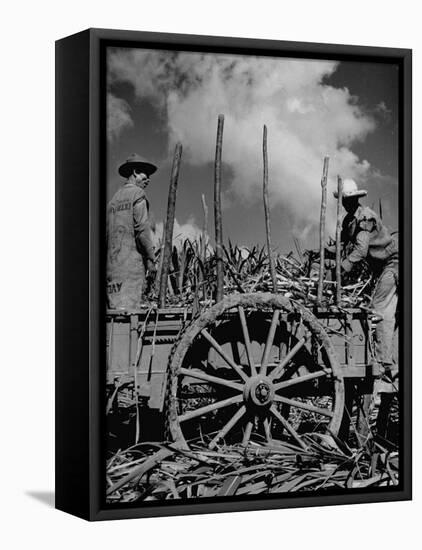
point(135, 162)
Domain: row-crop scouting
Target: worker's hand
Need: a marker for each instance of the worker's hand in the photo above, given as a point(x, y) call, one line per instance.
point(151, 269)
point(150, 278)
point(330, 264)
point(330, 251)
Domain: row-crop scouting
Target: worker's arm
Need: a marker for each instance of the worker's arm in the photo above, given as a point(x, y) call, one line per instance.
point(359, 251)
point(142, 230)
point(330, 247)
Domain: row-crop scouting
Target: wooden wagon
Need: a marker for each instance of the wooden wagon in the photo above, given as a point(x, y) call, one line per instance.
point(253, 367)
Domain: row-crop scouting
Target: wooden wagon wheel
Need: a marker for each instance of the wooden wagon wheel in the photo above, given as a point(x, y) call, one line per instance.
point(253, 367)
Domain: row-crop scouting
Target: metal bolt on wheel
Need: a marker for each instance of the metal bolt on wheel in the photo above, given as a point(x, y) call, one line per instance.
point(254, 367)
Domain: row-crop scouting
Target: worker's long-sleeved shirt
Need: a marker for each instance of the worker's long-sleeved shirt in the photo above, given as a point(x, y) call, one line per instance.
point(128, 222)
point(142, 228)
point(365, 237)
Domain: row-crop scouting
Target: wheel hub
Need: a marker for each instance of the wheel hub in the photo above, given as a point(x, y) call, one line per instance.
point(259, 391)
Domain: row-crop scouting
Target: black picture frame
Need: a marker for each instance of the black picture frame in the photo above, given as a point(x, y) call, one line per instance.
point(80, 150)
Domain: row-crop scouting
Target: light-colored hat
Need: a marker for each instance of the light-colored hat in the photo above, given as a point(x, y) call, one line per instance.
point(350, 189)
point(135, 162)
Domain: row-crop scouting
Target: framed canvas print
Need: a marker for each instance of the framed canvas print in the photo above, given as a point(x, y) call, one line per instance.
point(233, 274)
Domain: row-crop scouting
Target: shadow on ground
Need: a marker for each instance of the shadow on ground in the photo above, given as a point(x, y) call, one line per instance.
point(45, 497)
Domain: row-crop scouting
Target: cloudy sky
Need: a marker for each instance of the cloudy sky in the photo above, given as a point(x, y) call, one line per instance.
point(312, 108)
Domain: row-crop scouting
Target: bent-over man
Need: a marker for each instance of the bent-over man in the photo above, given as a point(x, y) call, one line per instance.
point(365, 237)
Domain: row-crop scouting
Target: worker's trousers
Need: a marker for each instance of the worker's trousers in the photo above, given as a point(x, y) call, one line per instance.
point(125, 281)
point(384, 303)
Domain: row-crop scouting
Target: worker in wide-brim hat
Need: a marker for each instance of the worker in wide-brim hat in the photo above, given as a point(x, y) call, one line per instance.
point(136, 163)
point(363, 233)
point(350, 189)
point(365, 237)
point(130, 252)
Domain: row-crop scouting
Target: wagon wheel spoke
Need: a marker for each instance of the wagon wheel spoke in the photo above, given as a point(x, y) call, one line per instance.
point(304, 406)
point(288, 426)
point(246, 338)
point(276, 373)
point(227, 427)
point(300, 379)
point(267, 430)
point(200, 375)
point(247, 434)
point(223, 354)
point(269, 342)
point(212, 407)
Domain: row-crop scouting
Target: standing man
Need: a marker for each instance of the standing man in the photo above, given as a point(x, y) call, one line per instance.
point(365, 237)
point(130, 253)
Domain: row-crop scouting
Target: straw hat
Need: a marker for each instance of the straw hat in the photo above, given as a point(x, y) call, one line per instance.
point(350, 189)
point(135, 162)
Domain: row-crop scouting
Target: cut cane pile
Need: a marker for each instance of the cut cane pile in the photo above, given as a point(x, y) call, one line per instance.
point(192, 278)
point(151, 472)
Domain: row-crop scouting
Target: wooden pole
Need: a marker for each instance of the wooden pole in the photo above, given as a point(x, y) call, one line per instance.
point(322, 229)
point(267, 211)
point(204, 229)
point(204, 249)
point(338, 239)
point(168, 236)
point(217, 211)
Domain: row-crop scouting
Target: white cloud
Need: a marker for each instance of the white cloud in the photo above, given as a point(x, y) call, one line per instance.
point(306, 118)
point(118, 116)
point(181, 232)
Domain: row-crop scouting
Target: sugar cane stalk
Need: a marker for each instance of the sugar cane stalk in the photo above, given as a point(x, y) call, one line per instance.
point(267, 210)
point(338, 239)
point(217, 210)
point(168, 237)
point(322, 229)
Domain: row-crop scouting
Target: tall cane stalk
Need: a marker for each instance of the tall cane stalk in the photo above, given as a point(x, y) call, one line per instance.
point(217, 210)
point(322, 229)
point(338, 239)
point(168, 235)
point(267, 210)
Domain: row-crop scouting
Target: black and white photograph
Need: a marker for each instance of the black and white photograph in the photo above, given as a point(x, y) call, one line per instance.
point(252, 294)
point(210, 275)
